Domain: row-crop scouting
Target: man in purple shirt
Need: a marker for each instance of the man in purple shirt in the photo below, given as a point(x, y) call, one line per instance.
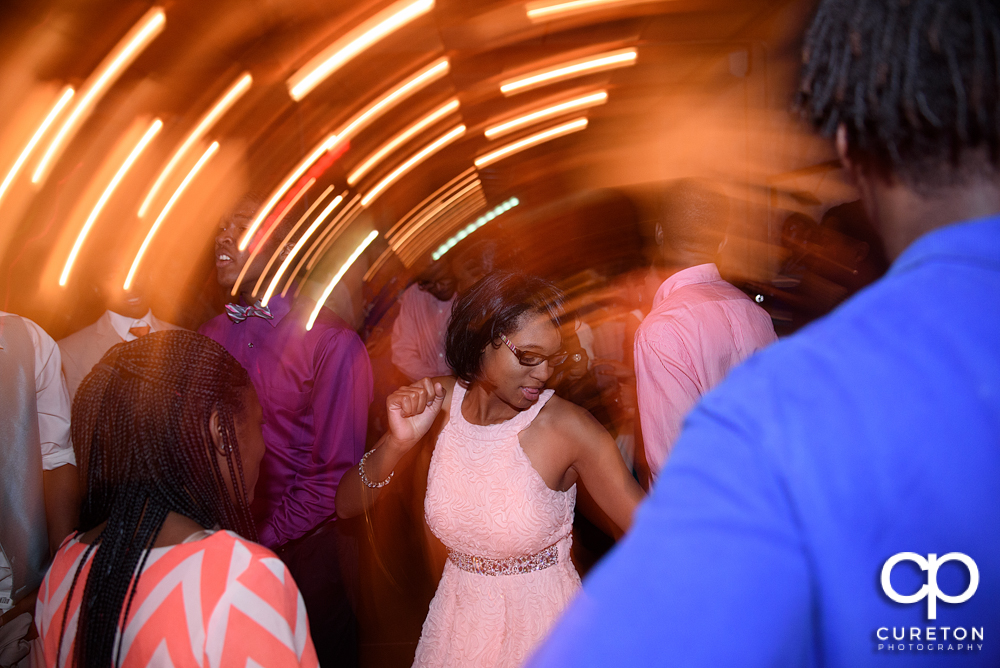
point(314, 387)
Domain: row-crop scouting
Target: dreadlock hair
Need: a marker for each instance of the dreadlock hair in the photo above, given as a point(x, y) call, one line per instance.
point(915, 83)
point(496, 305)
point(141, 428)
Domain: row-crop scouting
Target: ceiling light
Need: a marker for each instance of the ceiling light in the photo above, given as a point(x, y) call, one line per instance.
point(350, 45)
point(285, 186)
point(546, 10)
point(288, 238)
point(575, 104)
point(147, 137)
point(402, 138)
point(339, 275)
point(533, 140)
point(127, 50)
point(344, 218)
point(431, 213)
point(569, 70)
point(473, 226)
point(60, 104)
point(298, 246)
point(412, 162)
point(206, 156)
point(228, 99)
point(417, 82)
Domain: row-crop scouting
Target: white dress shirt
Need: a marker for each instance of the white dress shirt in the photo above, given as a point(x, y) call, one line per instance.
point(51, 398)
point(122, 324)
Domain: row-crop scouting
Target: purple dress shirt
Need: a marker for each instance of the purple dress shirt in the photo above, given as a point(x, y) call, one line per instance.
point(314, 387)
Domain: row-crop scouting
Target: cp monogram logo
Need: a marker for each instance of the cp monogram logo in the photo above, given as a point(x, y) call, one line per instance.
point(930, 590)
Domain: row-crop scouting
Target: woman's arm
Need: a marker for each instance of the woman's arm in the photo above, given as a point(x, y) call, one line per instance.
point(601, 468)
point(412, 410)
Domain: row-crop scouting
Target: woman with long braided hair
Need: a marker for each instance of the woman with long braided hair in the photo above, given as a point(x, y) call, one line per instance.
point(168, 434)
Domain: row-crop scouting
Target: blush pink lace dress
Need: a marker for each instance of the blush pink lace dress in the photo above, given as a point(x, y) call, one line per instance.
point(508, 574)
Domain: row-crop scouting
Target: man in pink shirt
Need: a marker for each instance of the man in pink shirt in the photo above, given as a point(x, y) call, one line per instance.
point(700, 326)
point(419, 332)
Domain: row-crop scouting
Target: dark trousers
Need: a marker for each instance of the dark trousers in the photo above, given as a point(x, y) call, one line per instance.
point(324, 564)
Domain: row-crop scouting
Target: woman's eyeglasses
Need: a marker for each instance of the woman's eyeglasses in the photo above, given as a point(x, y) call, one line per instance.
point(534, 359)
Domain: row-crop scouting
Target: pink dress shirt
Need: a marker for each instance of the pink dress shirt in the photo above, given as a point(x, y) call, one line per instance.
point(700, 328)
point(418, 334)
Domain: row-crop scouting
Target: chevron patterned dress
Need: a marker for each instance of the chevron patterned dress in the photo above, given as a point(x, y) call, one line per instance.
point(216, 601)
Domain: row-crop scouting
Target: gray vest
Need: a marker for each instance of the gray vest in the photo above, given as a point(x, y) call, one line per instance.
point(23, 534)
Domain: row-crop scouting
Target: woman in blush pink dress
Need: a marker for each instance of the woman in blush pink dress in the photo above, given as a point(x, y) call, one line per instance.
point(502, 481)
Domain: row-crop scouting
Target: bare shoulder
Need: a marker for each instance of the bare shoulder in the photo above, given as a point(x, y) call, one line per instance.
point(569, 421)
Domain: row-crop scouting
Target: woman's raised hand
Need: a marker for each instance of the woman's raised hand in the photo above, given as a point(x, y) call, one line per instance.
point(412, 411)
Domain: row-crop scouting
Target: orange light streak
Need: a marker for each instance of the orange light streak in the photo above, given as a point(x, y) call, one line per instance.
point(353, 43)
point(414, 84)
point(279, 192)
point(575, 104)
point(127, 50)
point(298, 246)
point(569, 70)
point(339, 275)
point(60, 104)
point(422, 219)
point(288, 237)
point(369, 114)
point(533, 140)
point(228, 99)
point(205, 157)
point(331, 234)
point(345, 216)
point(412, 162)
point(153, 130)
point(459, 181)
point(547, 10)
point(267, 235)
point(402, 138)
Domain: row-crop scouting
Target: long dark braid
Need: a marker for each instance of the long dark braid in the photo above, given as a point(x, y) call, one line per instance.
point(141, 427)
point(915, 82)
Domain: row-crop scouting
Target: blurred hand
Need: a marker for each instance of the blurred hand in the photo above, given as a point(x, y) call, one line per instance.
point(412, 410)
point(613, 368)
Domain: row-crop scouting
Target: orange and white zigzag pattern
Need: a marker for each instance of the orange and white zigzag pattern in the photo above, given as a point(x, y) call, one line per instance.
point(216, 602)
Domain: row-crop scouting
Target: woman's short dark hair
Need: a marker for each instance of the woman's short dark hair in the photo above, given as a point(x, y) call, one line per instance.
point(496, 305)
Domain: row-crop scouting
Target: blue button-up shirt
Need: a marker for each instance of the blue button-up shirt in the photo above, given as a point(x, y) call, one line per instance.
point(873, 432)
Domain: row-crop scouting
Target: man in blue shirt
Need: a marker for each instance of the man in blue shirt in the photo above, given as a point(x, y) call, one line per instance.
point(836, 501)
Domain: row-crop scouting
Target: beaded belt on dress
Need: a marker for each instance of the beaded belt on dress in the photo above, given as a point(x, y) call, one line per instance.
point(509, 566)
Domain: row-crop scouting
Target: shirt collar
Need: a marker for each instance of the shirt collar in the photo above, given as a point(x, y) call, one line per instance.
point(701, 273)
point(976, 241)
point(121, 324)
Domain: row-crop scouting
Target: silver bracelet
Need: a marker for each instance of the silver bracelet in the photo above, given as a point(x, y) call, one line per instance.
point(364, 478)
